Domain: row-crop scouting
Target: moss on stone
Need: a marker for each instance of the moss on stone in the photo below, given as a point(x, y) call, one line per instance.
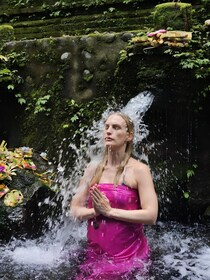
point(173, 15)
point(6, 33)
point(83, 23)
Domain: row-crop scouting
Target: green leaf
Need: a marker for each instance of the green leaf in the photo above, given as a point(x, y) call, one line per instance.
point(186, 195)
point(2, 57)
point(190, 173)
point(5, 71)
point(21, 101)
point(74, 118)
point(10, 87)
point(65, 126)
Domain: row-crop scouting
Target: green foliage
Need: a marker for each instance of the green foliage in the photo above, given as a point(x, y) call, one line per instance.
point(87, 76)
point(21, 100)
point(21, 3)
point(80, 116)
point(196, 60)
point(9, 72)
point(78, 112)
point(38, 101)
point(94, 3)
point(193, 60)
point(197, 57)
point(41, 103)
point(205, 91)
point(191, 172)
point(123, 56)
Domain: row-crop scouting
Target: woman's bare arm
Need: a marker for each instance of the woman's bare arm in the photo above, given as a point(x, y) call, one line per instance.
point(78, 209)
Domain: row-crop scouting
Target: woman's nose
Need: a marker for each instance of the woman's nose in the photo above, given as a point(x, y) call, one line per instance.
point(109, 130)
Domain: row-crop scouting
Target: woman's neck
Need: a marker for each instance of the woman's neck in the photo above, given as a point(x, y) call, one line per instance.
point(115, 159)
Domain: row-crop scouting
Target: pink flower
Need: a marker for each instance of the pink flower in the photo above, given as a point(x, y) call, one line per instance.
point(2, 168)
point(156, 32)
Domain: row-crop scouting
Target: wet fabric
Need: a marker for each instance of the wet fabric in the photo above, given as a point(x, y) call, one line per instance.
point(114, 247)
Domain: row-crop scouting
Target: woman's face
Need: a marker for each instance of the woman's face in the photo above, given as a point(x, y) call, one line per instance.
point(115, 131)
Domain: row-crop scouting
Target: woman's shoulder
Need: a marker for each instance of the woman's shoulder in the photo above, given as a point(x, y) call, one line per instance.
point(139, 168)
point(134, 171)
point(91, 167)
point(137, 164)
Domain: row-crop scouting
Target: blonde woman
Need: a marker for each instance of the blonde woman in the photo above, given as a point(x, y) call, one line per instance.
point(116, 197)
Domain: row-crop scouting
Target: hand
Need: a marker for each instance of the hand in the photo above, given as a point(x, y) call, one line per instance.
point(101, 203)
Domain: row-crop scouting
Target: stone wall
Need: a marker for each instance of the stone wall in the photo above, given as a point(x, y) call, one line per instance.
point(38, 19)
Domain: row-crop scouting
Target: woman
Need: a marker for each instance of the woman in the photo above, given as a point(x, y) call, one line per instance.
point(116, 197)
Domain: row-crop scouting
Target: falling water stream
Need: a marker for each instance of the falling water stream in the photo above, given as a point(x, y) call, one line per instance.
point(178, 251)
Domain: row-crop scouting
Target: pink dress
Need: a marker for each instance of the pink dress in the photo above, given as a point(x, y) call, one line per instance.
point(114, 248)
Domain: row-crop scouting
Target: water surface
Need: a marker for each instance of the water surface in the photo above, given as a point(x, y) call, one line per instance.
point(177, 252)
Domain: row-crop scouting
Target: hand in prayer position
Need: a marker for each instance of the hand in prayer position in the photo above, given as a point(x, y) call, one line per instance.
point(100, 201)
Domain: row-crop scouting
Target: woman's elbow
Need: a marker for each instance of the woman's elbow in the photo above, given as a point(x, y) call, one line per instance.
point(152, 218)
point(153, 222)
point(75, 215)
point(73, 211)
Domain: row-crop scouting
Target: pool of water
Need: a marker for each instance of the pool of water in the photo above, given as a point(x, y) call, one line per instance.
point(177, 252)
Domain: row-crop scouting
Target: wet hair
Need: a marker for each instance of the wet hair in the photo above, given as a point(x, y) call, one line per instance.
point(128, 151)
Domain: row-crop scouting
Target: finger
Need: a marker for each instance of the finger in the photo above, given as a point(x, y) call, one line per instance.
point(95, 198)
point(97, 193)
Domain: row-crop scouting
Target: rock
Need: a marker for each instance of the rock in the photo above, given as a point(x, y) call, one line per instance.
point(29, 200)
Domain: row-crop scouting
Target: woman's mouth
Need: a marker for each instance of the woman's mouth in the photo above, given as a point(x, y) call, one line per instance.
point(108, 139)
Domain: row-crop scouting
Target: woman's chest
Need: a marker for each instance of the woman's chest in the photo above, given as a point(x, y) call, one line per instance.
point(127, 177)
point(108, 175)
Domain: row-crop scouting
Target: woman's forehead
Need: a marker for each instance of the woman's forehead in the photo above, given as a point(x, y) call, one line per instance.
point(115, 119)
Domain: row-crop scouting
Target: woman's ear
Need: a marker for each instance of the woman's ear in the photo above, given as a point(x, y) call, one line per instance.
point(130, 136)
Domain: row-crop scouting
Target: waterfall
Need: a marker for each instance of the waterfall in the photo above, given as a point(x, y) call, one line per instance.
point(55, 254)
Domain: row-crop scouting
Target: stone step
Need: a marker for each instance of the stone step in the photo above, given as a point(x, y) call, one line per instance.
point(83, 24)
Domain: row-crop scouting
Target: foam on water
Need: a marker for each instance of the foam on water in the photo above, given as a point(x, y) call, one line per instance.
point(32, 254)
point(183, 251)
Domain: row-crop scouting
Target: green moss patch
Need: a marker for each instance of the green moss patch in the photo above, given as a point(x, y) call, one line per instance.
point(177, 16)
point(6, 33)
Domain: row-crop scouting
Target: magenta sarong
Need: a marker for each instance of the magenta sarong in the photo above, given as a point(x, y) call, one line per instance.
point(115, 248)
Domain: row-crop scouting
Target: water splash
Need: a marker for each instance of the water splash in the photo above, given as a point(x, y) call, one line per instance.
point(178, 252)
point(136, 109)
point(92, 144)
point(55, 255)
point(181, 251)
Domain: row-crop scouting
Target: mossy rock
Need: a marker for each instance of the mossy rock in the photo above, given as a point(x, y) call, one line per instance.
point(6, 34)
point(177, 16)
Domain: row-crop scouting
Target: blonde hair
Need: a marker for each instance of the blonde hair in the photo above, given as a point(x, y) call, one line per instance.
point(100, 168)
